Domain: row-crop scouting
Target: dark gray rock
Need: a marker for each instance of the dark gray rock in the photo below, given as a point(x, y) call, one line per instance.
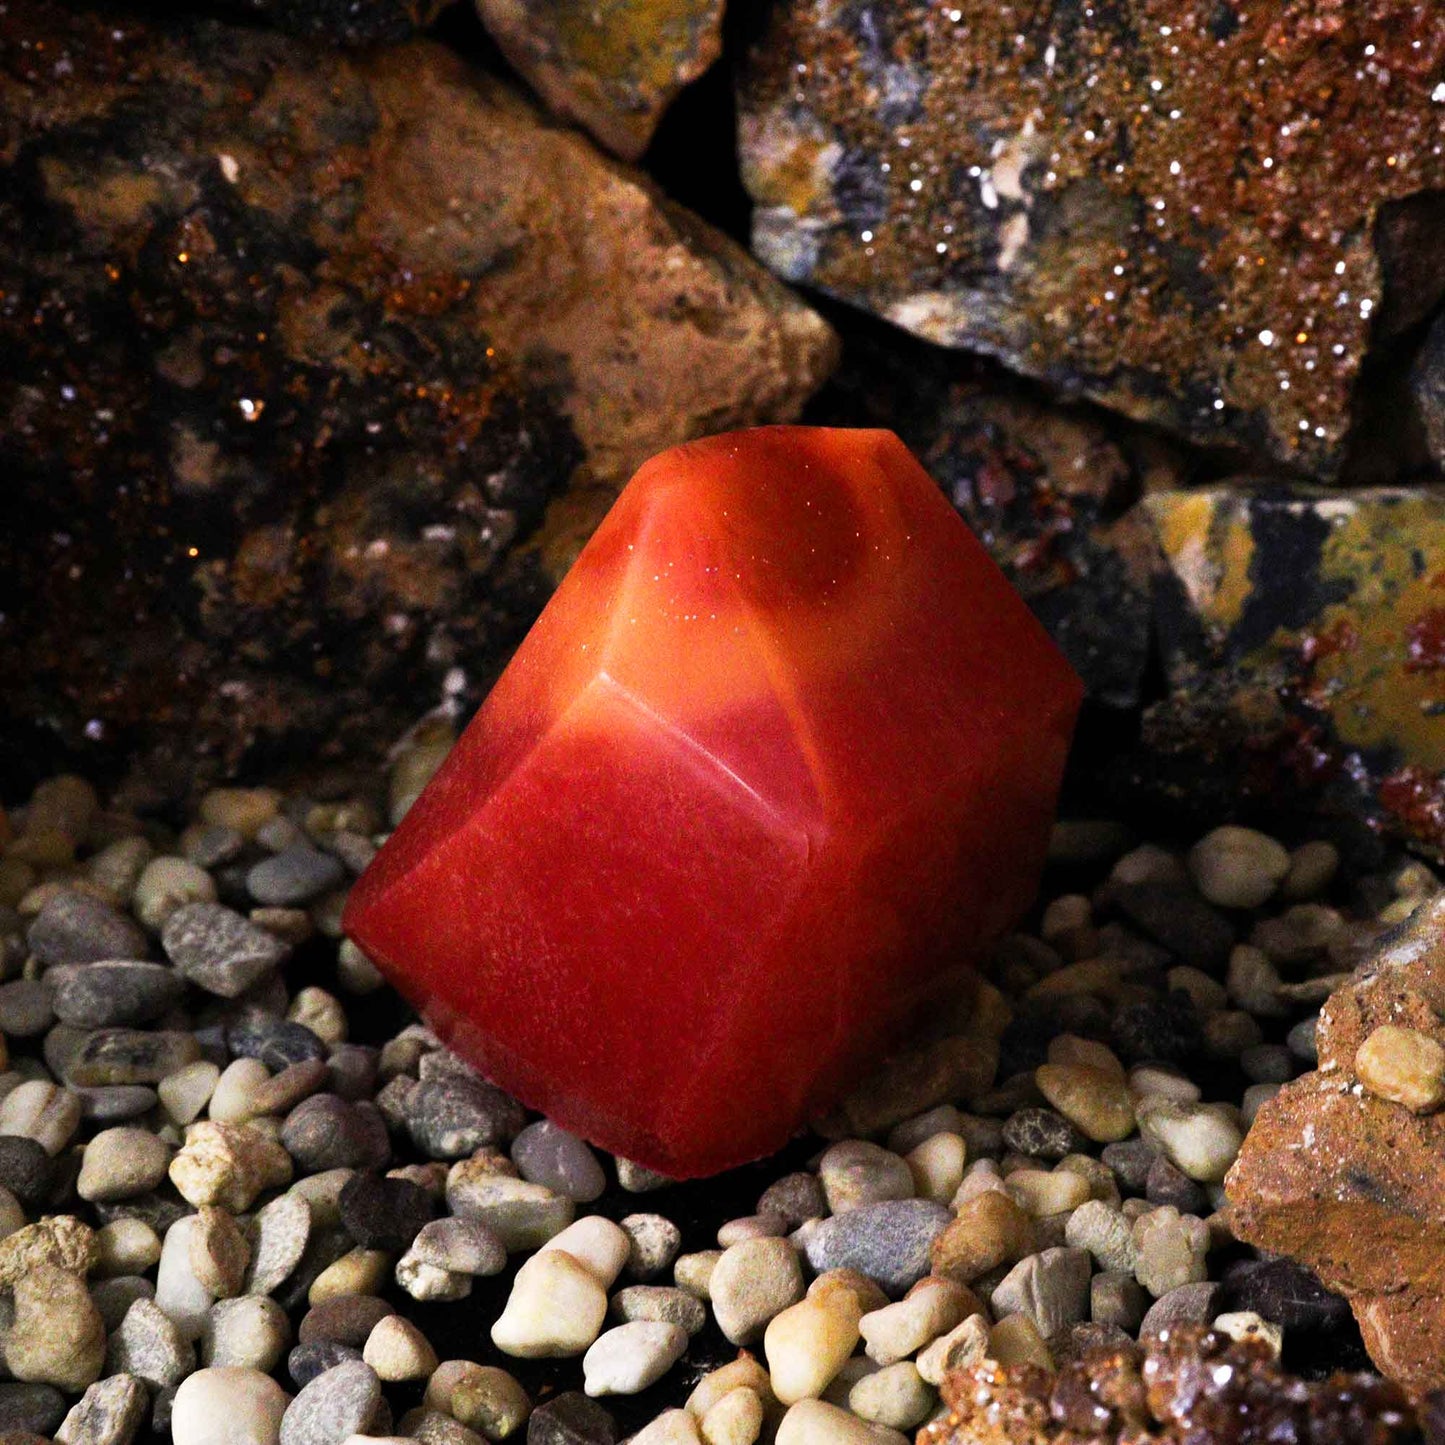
point(102, 995)
point(1284, 1291)
point(278, 1043)
point(25, 1008)
point(794, 1198)
point(76, 928)
point(327, 1132)
point(220, 951)
point(307, 1362)
point(294, 877)
point(34, 1409)
point(571, 1419)
point(545, 1153)
point(452, 1116)
point(1042, 1134)
point(382, 1213)
point(343, 1320)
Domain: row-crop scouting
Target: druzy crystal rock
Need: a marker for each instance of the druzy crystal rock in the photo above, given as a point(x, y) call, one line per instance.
point(777, 761)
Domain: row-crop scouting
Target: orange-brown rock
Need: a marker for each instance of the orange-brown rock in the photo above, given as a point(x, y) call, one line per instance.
point(1352, 1184)
point(612, 67)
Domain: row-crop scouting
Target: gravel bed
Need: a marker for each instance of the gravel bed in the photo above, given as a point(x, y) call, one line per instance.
point(244, 1197)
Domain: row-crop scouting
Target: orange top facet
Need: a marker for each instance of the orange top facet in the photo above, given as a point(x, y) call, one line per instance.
point(777, 760)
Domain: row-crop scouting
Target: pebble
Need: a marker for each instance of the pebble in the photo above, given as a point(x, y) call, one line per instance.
point(797, 1197)
point(653, 1243)
point(126, 1246)
point(1043, 1192)
point(43, 1112)
point(384, 1213)
point(220, 1252)
point(855, 1173)
point(693, 1272)
point(397, 1350)
point(327, 1132)
point(1131, 1162)
point(229, 1165)
point(57, 1336)
point(209, 845)
point(1042, 1134)
point(1246, 1325)
point(519, 1214)
point(166, 884)
point(812, 1422)
point(571, 1419)
point(546, 1154)
point(246, 810)
point(278, 1235)
point(1095, 1100)
point(1168, 1184)
point(129, 1056)
point(1285, 1292)
point(672, 1427)
point(1051, 1288)
point(556, 1308)
point(1403, 1066)
point(1238, 867)
point(636, 1178)
point(429, 1282)
point(310, 1361)
point(1117, 1298)
point(25, 1008)
point(120, 1163)
point(1189, 1304)
point(1171, 1250)
point(630, 1357)
point(933, 1307)
point(113, 1297)
point(459, 1246)
point(250, 1332)
point(321, 1012)
point(357, 1272)
point(60, 1240)
point(455, 1115)
point(26, 1169)
point(149, 1345)
point(116, 1103)
point(228, 1405)
point(233, 1100)
point(736, 1419)
point(342, 1402)
point(1015, 1340)
point(751, 1226)
point(890, 1242)
point(596, 1242)
point(73, 927)
point(1176, 916)
point(299, 874)
point(482, 1397)
point(752, 1282)
point(661, 1304)
point(896, 1396)
point(188, 1090)
point(988, 1231)
point(1201, 1139)
point(30, 1409)
point(345, 1319)
point(219, 950)
point(178, 1292)
point(1105, 1233)
point(807, 1344)
point(937, 1166)
point(277, 1043)
point(109, 1413)
point(1312, 868)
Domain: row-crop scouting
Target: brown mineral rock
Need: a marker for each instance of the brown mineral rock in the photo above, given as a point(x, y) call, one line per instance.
point(1175, 209)
point(1352, 1183)
point(1303, 639)
point(612, 66)
point(299, 342)
point(1186, 1387)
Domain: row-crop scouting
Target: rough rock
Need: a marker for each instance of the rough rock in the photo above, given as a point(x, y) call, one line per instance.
point(345, 321)
point(1303, 639)
point(1349, 1183)
point(1173, 212)
point(612, 68)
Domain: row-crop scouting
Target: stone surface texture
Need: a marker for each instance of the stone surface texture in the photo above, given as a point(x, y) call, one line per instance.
point(1352, 1184)
point(612, 67)
point(1172, 211)
point(344, 322)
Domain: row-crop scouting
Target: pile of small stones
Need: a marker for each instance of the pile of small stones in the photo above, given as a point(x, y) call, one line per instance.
point(224, 1218)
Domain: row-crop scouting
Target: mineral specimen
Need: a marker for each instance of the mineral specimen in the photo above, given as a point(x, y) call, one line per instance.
point(777, 760)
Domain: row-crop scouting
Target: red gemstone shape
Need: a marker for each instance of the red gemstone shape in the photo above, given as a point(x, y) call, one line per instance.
point(775, 765)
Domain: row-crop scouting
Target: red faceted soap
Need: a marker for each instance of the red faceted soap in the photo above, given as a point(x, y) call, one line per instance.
point(778, 759)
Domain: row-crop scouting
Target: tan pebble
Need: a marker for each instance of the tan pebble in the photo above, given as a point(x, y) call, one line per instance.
point(1312, 868)
point(1404, 1066)
point(672, 1427)
point(484, 1398)
point(1016, 1341)
point(962, 1345)
point(1237, 867)
point(1043, 1192)
point(752, 1282)
point(556, 1308)
point(1247, 1325)
point(806, 1344)
point(397, 1350)
point(989, 1230)
point(897, 1396)
point(867, 1293)
point(811, 1422)
point(930, 1309)
point(229, 1165)
point(937, 1166)
point(1071, 1049)
point(1097, 1100)
point(359, 1271)
point(186, 1092)
point(736, 1419)
point(247, 810)
point(126, 1246)
point(218, 1252)
point(57, 1336)
point(60, 1240)
point(321, 1012)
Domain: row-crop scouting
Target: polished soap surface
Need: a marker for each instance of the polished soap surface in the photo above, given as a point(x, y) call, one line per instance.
point(776, 763)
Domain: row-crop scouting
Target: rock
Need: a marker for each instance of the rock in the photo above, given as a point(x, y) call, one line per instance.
point(30, 1409)
point(547, 1154)
point(807, 1344)
point(100, 995)
point(813, 1422)
point(130, 1056)
point(932, 1308)
point(1012, 226)
point(1342, 1179)
point(613, 71)
point(855, 1173)
point(1427, 387)
point(229, 1165)
point(1200, 1139)
point(382, 1213)
point(278, 1236)
point(1189, 1304)
point(26, 1169)
point(630, 1357)
point(988, 1230)
point(795, 1198)
point(654, 1243)
point(119, 1163)
point(61, 1241)
point(149, 1346)
point(1404, 1066)
point(482, 1397)
point(309, 1362)
point(556, 1308)
point(251, 1333)
point(397, 1350)
point(1169, 1250)
point(662, 1304)
point(73, 927)
point(1051, 1288)
point(297, 875)
point(1301, 644)
point(277, 1043)
point(326, 1132)
point(41, 1111)
point(520, 1215)
point(185, 1300)
point(571, 1419)
point(25, 1010)
point(109, 1413)
point(460, 1246)
point(57, 1337)
point(340, 1403)
point(218, 950)
point(441, 355)
point(888, 1242)
point(228, 1406)
point(753, 1281)
point(1238, 867)
point(454, 1115)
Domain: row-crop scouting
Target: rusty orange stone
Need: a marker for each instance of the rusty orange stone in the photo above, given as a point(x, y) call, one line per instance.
point(778, 760)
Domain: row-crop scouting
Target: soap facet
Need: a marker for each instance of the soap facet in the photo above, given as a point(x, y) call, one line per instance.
point(774, 766)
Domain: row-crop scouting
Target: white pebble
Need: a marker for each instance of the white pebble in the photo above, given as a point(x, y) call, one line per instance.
point(631, 1357)
point(228, 1406)
point(556, 1308)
